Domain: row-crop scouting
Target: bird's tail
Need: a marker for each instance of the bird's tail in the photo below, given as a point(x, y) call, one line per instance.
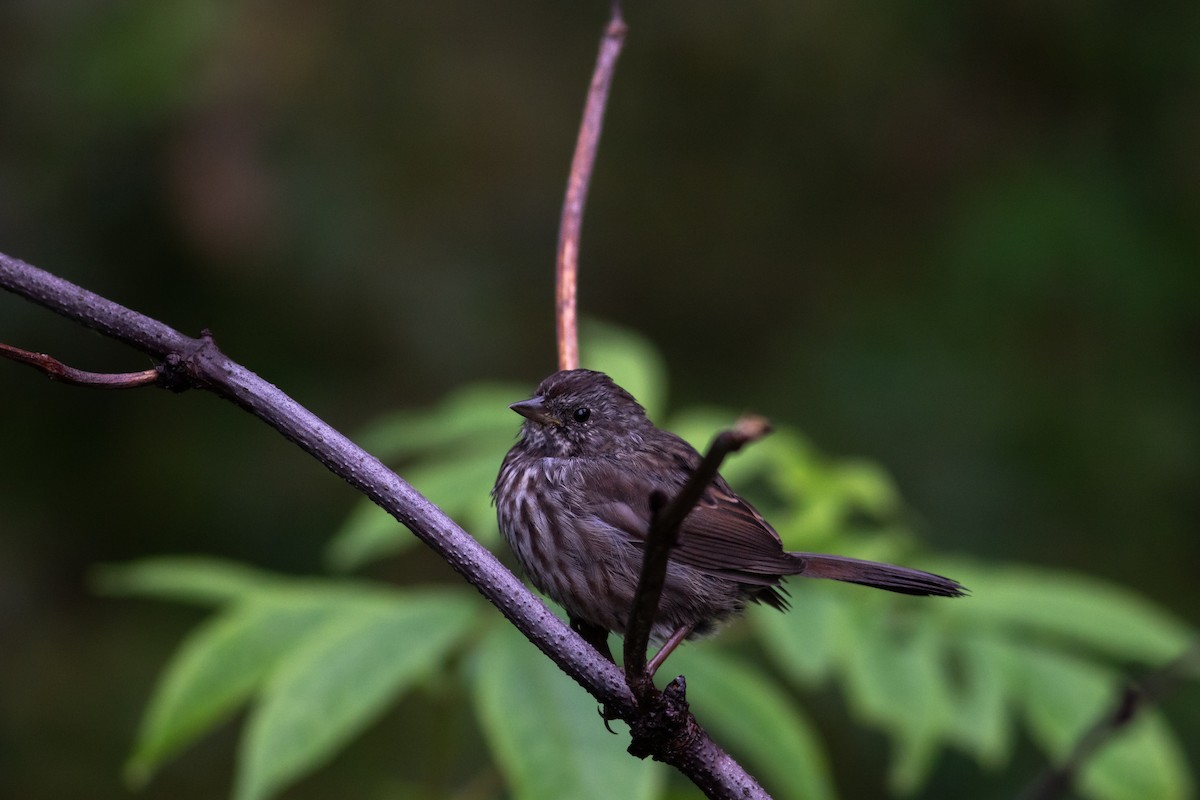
point(871, 573)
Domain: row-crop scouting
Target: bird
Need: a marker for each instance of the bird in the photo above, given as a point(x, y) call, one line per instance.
point(574, 501)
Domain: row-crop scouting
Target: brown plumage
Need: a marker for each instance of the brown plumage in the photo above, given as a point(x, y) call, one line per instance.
point(573, 502)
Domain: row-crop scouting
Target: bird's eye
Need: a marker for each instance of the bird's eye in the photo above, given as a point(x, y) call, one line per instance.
point(582, 414)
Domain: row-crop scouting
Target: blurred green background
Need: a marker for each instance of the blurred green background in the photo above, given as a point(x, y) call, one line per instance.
point(958, 240)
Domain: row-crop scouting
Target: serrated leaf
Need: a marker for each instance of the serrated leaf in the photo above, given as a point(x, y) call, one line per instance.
point(754, 717)
point(1071, 607)
point(192, 579)
point(340, 679)
point(544, 731)
point(216, 669)
point(1062, 696)
point(629, 359)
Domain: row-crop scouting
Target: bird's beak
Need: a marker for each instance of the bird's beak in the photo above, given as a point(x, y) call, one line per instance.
point(535, 409)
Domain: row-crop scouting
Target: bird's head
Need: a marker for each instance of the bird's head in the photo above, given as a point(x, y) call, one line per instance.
point(580, 412)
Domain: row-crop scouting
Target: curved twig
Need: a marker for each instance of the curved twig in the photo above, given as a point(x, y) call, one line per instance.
point(55, 370)
point(571, 222)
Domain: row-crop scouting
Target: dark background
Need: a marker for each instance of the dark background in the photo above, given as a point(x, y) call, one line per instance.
point(958, 239)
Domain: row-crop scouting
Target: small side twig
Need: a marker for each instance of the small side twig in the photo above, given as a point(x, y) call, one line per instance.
point(571, 222)
point(664, 532)
point(1132, 700)
point(55, 370)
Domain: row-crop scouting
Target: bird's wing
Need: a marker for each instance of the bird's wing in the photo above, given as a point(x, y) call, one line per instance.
point(723, 535)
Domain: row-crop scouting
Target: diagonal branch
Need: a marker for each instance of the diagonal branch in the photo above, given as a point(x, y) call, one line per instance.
point(1133, 699)
point(206, 367)
point(571, 222)
point(202, 365)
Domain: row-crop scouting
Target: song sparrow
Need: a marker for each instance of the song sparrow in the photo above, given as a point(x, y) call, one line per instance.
point(573, 502)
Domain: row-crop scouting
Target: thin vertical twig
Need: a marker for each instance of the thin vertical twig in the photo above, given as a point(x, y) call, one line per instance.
point(663, 533)
point(571, 223)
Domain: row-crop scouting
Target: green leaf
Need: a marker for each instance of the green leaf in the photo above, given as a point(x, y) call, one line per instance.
point(340, 679)
point(1070, 607)
point(752, 470)
point(983, 724)
point(1144, 761)
point(809, 498)
point(1062, 696)
point(801, 643)
point(458, 447)
point(897, 678)
point(544, 730)
point(193, 579)
point(461, 484)
point(756, 719)
point(864, 487)
point(216, 668)
point(629, 359)
point(476, 414)
point(368, 534)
